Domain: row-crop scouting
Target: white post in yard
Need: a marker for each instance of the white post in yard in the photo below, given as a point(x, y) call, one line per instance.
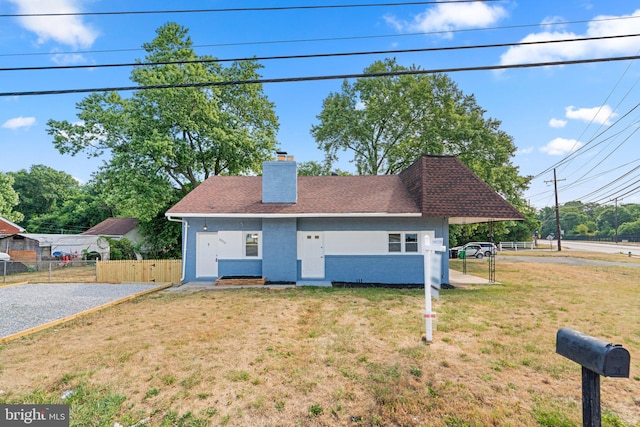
point(429, 247)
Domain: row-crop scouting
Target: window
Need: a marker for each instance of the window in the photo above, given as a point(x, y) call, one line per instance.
point(411, 242)
point(403, 242)
point(251, 244)
point(395, 242)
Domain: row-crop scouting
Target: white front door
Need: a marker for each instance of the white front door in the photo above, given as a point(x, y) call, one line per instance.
point(312, 255)
point(207, 255)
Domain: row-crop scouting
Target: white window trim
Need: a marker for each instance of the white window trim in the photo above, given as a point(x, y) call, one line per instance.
point(244, 244)
point(403, 241)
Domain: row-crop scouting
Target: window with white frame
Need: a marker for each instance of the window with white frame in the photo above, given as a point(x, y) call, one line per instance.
point(403, 242)
point(251, 241)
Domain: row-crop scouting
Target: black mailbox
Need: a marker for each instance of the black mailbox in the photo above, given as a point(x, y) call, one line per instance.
point(609, 360)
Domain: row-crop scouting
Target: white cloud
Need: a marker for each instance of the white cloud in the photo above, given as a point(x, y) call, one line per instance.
point(19, 122)
point(561, 146)
point(581, 49)
point(67, 30)
point(557, 123)
point(527, 150)
point(450, 16)
point(600, 115)
point(69, 59)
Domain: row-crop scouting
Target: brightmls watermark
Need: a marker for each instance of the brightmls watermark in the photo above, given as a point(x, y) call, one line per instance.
point(34, 415)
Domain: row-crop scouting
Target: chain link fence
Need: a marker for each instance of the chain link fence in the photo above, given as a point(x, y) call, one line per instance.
point(48, 271)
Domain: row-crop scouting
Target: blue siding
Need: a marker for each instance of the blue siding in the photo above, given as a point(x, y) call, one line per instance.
point(279, 249)
point(196, 225)
point(240, 267)
point(439, 225)
point(375, 268)
point(279, 182)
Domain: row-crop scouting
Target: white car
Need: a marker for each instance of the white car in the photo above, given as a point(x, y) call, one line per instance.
point(4, 256)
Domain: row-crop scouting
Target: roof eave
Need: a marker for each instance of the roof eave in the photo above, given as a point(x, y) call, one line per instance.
point(294, 215)
point(460, 220)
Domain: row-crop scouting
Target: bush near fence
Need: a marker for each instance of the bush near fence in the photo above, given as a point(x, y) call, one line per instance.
point(158, 271)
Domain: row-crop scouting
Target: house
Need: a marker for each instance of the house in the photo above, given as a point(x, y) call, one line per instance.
point(322, 229)
point(116, 228)
point(8, 227)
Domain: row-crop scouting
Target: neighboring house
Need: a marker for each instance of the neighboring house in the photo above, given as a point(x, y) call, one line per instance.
point(8, 227)
point(32, 248)
point(117, 228)
point(330, 228)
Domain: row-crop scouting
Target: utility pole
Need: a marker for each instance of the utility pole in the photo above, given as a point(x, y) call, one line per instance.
point(616, 200)
point(558, 230)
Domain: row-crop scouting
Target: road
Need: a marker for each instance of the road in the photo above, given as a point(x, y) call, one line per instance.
point(610, 248)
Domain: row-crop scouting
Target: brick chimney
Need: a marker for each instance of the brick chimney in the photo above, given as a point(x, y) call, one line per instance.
point(280, 180)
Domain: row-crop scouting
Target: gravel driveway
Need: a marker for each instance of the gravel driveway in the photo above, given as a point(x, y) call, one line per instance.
point(27, 306)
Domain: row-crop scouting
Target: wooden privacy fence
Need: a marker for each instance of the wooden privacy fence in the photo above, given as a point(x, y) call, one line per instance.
point(158, 271)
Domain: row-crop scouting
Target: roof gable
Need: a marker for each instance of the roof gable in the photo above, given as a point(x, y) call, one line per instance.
point(8, 227)
point(112, 227)
point(443, 186)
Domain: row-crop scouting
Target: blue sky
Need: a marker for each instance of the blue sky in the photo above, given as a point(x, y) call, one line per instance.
point(582, 116)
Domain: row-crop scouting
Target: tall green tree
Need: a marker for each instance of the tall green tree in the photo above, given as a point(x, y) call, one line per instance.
point(9, 199)
point(42, 190)
point(164, 142)
point(386, 123)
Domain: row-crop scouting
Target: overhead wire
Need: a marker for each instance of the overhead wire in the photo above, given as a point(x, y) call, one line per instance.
point(241, 9)
point(325, 39)
point(322, 77)
point(316, 55)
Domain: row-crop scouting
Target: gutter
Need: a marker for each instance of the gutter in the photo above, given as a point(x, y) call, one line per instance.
point(184, 244)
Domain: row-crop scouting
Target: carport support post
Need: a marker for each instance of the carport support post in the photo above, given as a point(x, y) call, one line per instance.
point(590, 398)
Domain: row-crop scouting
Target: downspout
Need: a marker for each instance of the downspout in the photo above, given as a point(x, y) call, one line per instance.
point(184, 244)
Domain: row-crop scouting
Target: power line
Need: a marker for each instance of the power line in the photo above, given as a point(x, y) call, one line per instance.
point(320, 78)
point(315, 55)
point(584, 148)
point(427, 33)
point(239, 9)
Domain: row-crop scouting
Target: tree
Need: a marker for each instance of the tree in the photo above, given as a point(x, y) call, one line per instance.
point(166, 141)
point(163, 142)
point(313, 168)
point(386, 123)
point(78, 213)
point(8, 199)
point(42, 190)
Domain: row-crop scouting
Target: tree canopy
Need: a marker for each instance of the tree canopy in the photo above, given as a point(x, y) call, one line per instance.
point(582, 220)
point(163, 142)
point(42, 190)
point(386, 123)
point(8, 199)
